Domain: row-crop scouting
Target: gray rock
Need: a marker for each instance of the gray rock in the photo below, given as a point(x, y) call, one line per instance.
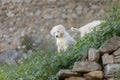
point(10, 29)
point(110, 79)
point(110, 70)
point(27, 1)
point(65, 73)
point(51, 0)
point(10, 14)
point(107, 59)
point(5, 1)
point(94, 7)
point(17, 1)
point(1, 34)
point(38, 12)
point(61, 3)
point(30, 14)
point(36, 41)
point(110, 45)
point(117, 59)
point(94, 75)
point(2, 47)
point(86, 67)
point(79, 9)
point(10, 56)
point(85, 10)
point(93, 55)
point(50, 13)
point(64, 16)
point(75, 78)
point(74, 16)
point(117, 52)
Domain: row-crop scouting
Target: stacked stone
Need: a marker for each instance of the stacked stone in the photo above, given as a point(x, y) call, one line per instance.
point(83, 70)
point(111, 56)
point(101, 64)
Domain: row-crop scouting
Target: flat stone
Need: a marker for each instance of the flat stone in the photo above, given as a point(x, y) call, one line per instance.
point(75, 78)
point(116, 60)
point(94, 75)
point(84, 67)
point(38, 12)
point(64, 16)
point(110, 79)
point(79, 9)
point(17, 1)
point(116, 57)
point(74, 16)
point(27, 1)
point(107, 59)
point(10, 14)
point(94, 7)
point(5, 1)
point(93, 55)
point(10, 57)
point(65, 73)
point(51, 0)
point(117, 52)
point(2, 47)
point(49, 14)
point(110, 69)
point(110, 45)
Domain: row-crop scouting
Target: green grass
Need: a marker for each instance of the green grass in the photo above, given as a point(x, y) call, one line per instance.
point(42, 66)
point(117, 75)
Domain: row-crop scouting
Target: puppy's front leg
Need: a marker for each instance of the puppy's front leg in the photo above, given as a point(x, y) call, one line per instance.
point(58, 49)
point(65, 48)
point(58, 46)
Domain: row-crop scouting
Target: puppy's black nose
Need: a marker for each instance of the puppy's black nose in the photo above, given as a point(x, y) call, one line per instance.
point(56, 35)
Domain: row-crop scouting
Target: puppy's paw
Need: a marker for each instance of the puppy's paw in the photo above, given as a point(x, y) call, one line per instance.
point(72, 28)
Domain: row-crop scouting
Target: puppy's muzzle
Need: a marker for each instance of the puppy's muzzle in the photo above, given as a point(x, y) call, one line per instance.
point(56, 36)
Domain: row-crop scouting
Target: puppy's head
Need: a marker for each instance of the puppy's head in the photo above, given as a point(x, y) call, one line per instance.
point(58, 31)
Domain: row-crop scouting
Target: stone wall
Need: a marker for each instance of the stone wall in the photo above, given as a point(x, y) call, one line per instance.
point(101, 64)
point(35, 18)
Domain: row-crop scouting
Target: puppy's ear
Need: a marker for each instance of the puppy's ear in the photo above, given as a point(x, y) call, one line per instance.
point(51, 32)
point(61, 28)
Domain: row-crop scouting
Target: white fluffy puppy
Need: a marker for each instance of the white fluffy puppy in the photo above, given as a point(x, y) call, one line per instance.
point(63, 39)
point(87, 28)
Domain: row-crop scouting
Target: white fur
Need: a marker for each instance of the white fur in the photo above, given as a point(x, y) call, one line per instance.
point(87, 28)
point(63, 39)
